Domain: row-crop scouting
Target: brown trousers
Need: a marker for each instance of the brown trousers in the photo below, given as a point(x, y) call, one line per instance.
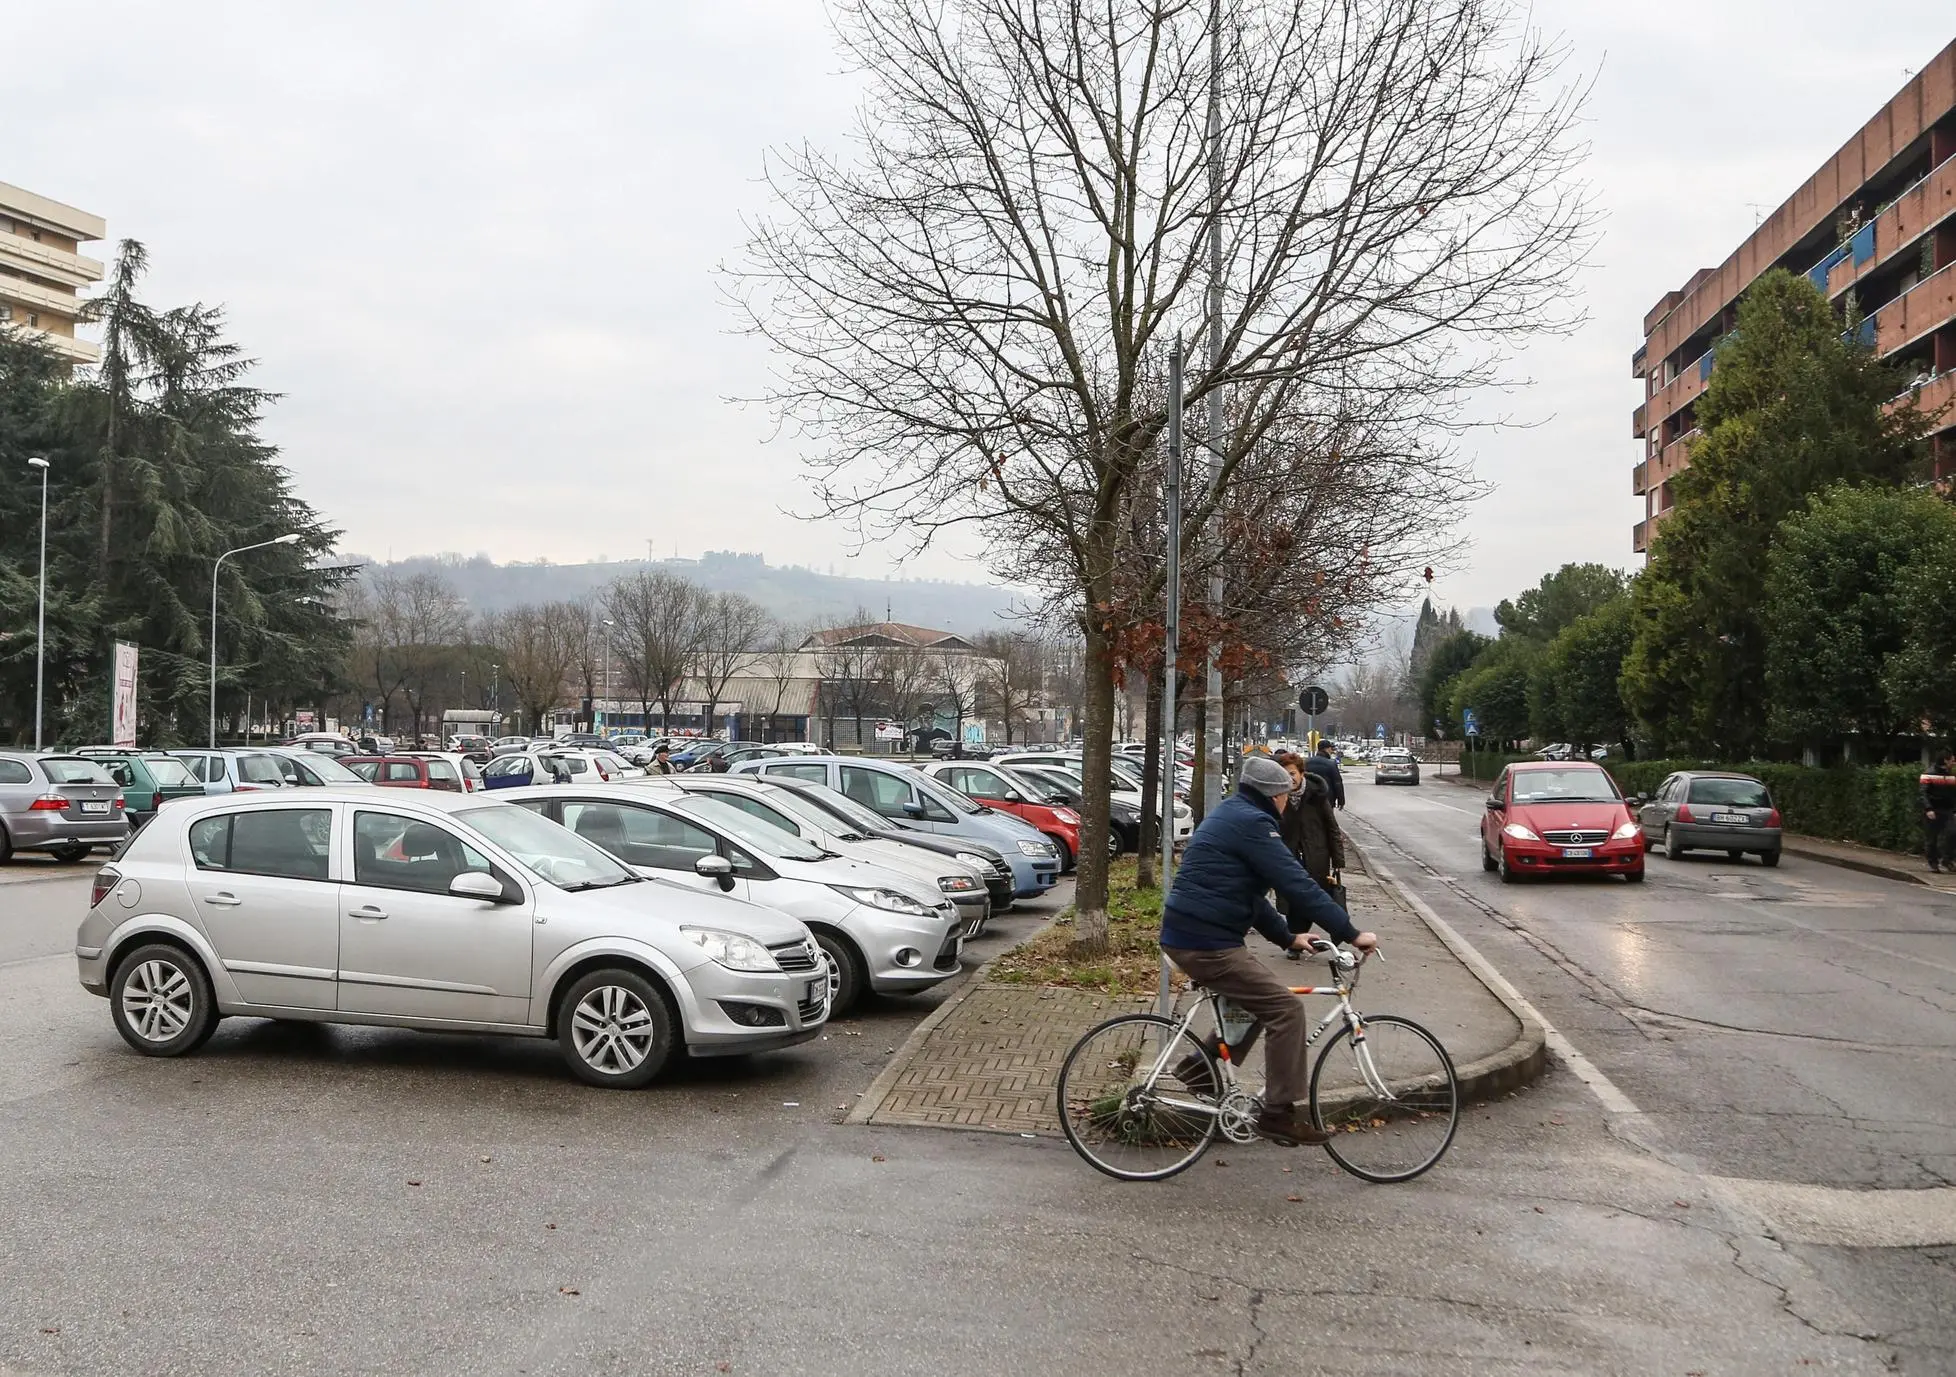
point(1234, 972)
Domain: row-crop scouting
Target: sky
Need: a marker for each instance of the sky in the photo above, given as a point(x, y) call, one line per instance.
point(473, 246)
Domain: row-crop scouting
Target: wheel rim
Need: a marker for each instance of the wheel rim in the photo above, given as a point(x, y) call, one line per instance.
point(158, 1000)
point(612, 1030)
point(1390, 1102)
point(1670, 847)
point(1123, 1124)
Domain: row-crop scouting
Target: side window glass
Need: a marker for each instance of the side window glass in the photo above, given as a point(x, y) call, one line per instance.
point(210, 842)
point(933, 810)
point(15, 772)
point(814, 774)
point(400, 770)
point(640, 836)
point(288, 842)
point(873, 789)
point(981, 784)
point(754, 808)
point(393, 852)
point(289, 771)
point(259, 769)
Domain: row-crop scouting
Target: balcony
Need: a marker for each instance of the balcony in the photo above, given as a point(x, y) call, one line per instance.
point(1919, 209)
point(1640, 536)
point(1926, 307)
point(48, 261)
point(1638, 486)
point(1690, 381)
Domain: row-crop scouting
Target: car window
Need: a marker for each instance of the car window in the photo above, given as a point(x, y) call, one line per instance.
point(368, 770)
point(15, 772)
point(395, 852)
point(642, 836)
point(754, 808)
point(1733, 793)
point(289, 771)
point(552, 853)
point(975, 783)
point(441, 772)
point(508, 765)
point(769, 841)
point(69, 769)
point(814, 774)
point(121, 772)
point(939, 802)
point(259, 769)
point(324, 770)
point(842, 806)
point(400, 770)
point(1563, 786)
point(290, 843)
point(574, 764)
point(885, 794)
point(168, 771)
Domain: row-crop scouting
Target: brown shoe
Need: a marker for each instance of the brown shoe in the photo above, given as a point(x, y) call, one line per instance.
point(1290, 1129)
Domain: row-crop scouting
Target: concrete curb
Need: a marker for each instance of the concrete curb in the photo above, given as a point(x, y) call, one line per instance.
point(1519, 1063)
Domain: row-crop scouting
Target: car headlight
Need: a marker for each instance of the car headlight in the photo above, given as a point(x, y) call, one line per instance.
point(1067, 815)
point(958, 884)
point(1041, 849)
point(1625, 832)
point(972, 859)
point(735, 951)
point(1519, 833)
point(888, 900)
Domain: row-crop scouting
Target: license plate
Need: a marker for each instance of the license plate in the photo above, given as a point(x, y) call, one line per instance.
point(817, 989)
point(1578, 853)
point(94, 806)
point(1740, 818)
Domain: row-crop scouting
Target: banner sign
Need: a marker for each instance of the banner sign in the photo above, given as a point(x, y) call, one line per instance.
point(122, 706)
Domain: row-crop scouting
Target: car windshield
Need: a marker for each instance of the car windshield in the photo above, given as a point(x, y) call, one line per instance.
point(769, 841)
point(944, 794)
point(556, 855)
point(842, 806)
point(168, 771)
point(74, 770)
point(329, 770)
point(801, 810)
point(1563, 786)
point(1733, 793)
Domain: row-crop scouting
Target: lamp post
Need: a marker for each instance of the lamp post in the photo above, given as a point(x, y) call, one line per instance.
point(275, 540)
point(41, 617)
point(605, 687)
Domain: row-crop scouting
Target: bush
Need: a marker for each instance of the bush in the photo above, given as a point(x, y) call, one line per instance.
point(1487, 765)
point(1874, 805)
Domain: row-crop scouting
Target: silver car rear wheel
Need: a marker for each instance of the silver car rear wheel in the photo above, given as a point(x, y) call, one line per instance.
point(161, 1001)
point(615, 1029)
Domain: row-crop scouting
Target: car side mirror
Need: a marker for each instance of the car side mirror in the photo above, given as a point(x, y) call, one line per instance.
point(913, 810)
point(1014, 796)
point(478, 884)
point(1494, 805)
point(1634, 801)
point(716, 868)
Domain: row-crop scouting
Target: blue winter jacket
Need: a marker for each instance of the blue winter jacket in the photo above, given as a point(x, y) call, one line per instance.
point(1326, 768)
point(1232, 859)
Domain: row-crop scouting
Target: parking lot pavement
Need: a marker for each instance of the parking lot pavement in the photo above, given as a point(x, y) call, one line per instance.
point(28, 866)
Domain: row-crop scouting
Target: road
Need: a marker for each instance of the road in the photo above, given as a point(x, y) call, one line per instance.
point(316, 1200)
point(1760, 1028)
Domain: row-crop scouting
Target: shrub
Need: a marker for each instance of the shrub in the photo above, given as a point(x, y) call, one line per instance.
point(1874, 805)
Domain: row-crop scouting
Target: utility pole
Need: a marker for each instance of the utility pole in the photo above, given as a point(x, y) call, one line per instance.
point(1171, 647)
point(1212, 742)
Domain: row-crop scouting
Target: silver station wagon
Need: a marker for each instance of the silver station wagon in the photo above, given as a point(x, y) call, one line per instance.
point(436, 911)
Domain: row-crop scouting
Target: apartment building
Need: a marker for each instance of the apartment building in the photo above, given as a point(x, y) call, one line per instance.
point(1875, 227)
point(42, 270)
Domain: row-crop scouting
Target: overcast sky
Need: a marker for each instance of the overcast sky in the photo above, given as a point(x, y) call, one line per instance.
point(473, 245)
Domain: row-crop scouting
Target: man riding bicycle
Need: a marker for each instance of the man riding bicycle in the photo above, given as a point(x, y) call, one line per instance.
point(1231, 861)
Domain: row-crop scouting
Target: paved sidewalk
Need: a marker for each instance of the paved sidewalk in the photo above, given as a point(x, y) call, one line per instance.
point(990, 1058)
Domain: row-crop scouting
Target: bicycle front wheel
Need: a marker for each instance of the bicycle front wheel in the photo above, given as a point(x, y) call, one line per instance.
point(1137, 1098)
point(1389, 1100)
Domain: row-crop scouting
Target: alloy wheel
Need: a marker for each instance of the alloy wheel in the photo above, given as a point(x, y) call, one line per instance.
point(612, 1030)
point(158, 1000)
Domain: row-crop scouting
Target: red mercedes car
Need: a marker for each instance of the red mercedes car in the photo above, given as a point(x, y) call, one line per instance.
point(1550, 817)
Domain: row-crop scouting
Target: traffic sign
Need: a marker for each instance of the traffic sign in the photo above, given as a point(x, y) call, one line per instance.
point(1470, 721)
point(1379, 731)
point(1313, 700)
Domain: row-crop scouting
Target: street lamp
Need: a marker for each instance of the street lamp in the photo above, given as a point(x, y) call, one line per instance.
point(606, 688)
point(275, 540)
point(41, 618)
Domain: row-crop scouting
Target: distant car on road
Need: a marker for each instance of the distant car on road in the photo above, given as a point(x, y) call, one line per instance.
point(1396, 765)
point(1712, 810)
point(64, 805)
point(1559, 818)
point(438, 911)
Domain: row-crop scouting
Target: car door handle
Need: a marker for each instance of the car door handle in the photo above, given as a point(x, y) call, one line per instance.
point(368, 911)
point(223, 899)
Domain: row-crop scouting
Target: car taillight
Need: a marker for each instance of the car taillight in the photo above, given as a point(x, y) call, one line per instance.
point(120, 804)
point(603, 774)
point(106, 880)
point(48, 803)
point(1684, 813)
point(1772, 818)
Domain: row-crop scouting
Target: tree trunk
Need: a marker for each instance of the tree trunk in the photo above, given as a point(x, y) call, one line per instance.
point(1097, 745)
point(1199, 787)
point(1150, 842)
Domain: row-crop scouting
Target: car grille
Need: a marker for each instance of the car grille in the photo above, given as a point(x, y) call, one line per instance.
point(1575, 838)
point(809, 1010)
point(794, 957)
point(1001, 871)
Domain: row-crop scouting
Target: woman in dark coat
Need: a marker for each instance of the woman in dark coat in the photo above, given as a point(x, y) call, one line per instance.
point(1310, 827)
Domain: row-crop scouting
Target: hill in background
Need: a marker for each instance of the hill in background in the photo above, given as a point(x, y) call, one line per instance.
point(792, 594)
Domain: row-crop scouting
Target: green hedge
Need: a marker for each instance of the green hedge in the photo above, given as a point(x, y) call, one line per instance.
point(1486, 765)
point(1874, 805)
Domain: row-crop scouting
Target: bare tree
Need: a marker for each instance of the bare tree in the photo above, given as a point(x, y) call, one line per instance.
point(903, 679)
point(417, 622)
point(658, 621)
point(952, 680)
point(1008, 678)
point(976, 312)
point(731, 628)
point(536, 647)
point(847, 666)
point(779, 662)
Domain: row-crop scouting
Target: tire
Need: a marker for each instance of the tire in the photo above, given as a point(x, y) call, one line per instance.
point(1769, 858)
point(1386, 1140)
point(1116, 844)
point(1115, 1124)
point(851, 978)
point(1672, 851)
point(1065, 852)
point(1635, 877)
point(69, 855)
point(615, 1029)
point(1508, 876)
point(160, 998)
point(1488, 862)
point(6, 847)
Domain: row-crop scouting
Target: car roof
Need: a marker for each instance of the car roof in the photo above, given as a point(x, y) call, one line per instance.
point(396, 800)
point(1558, 765)
point(1720, 774)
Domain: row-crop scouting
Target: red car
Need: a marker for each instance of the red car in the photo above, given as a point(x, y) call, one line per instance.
point(418, 770)
point(997, 787)
point(1551, 817)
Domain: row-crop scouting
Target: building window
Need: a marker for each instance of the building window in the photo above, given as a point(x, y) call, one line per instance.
point(6, 311)
point(33, 318)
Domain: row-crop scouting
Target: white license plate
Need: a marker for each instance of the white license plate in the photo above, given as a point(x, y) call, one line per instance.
point(817, 989)
point(1578, 853)
point(1740, 818)
point(95, 806)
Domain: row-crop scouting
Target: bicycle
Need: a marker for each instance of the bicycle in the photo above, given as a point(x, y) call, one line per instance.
point(1141, 1097)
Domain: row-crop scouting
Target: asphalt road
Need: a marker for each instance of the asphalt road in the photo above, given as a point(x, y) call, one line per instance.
point(315, 1200)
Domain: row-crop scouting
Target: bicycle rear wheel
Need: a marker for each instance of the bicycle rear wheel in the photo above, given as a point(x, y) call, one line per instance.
point(1390, 1100)
point(1123, 1118)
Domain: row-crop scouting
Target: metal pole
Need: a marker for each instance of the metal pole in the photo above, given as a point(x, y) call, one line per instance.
point(1172, 625)
point(41, 617)
point(1212, 744)
point(215, 567)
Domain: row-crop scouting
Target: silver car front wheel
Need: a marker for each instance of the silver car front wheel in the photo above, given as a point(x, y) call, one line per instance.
point(161, 1001)
point(615, 1029)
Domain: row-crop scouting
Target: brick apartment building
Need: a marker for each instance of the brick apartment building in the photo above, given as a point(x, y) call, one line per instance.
point(1876, 227)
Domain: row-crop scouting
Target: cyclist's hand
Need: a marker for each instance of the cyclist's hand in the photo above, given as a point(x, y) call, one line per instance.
point(1365, 941)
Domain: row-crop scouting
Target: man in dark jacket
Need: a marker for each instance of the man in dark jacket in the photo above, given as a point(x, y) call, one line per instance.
point(1232, 860)
point(1325, 766)
point(1938, 794)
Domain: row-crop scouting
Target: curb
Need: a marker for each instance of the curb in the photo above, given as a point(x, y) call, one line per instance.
point(1522, 1061)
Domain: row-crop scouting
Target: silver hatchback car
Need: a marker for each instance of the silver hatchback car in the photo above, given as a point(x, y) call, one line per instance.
point(60, 804)
point(448, 912)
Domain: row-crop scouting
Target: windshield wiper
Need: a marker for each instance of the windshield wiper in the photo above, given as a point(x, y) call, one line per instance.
point(583, 885)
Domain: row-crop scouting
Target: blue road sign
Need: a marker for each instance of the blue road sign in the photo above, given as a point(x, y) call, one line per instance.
point(1379, 731)
point(1470, 721)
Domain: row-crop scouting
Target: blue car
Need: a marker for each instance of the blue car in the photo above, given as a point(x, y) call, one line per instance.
point(914, 799)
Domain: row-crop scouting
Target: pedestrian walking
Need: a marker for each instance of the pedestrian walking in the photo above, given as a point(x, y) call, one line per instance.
point(1310, 829)
point(661, 761)
point(1938, 795)
point(1324, 764)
